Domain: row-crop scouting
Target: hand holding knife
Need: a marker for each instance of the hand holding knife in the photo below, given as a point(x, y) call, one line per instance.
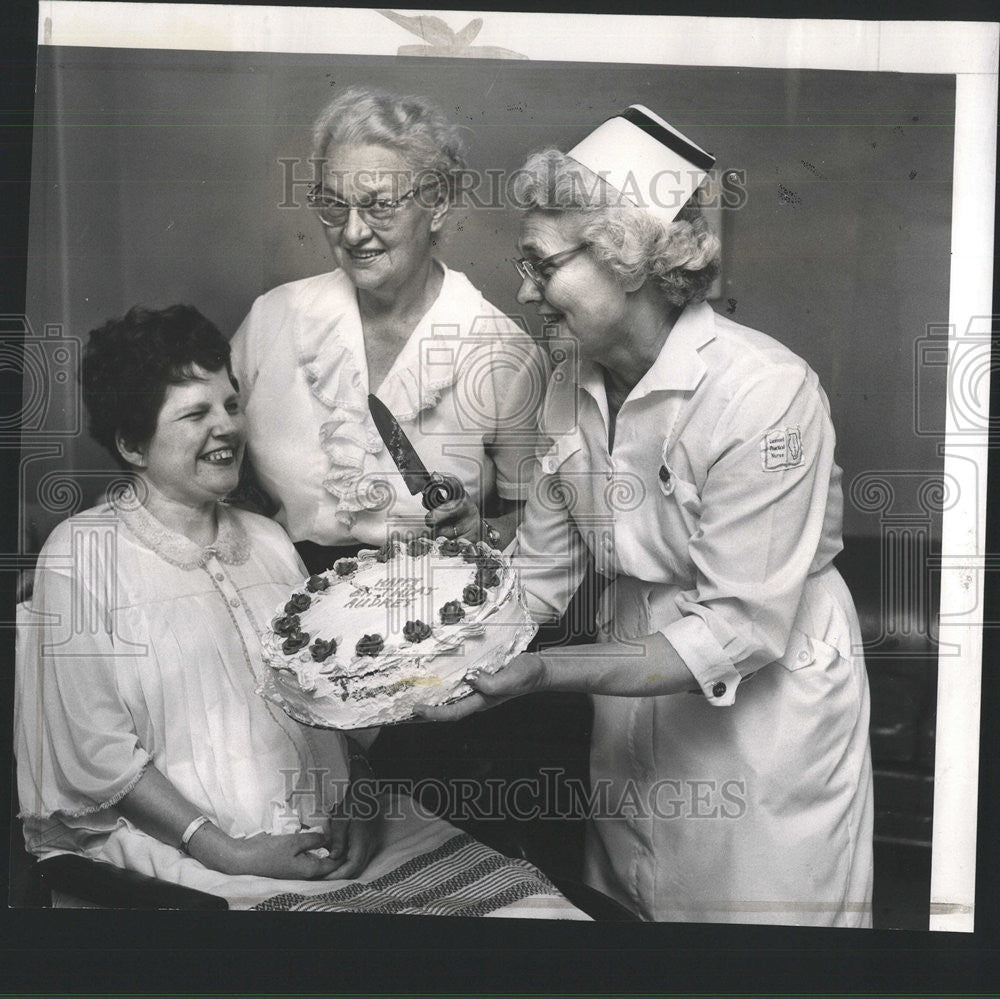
point(436, 489)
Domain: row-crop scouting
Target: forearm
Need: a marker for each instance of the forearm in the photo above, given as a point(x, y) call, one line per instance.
point(156, 807)
point(645, 667)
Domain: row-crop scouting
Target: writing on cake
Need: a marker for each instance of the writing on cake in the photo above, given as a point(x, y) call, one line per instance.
point(390, 593)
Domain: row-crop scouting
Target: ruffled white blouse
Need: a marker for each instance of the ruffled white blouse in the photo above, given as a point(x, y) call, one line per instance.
point(466, 389)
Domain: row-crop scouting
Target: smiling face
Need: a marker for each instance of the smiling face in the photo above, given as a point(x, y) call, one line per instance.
point(194, 455)
point(391, 257)
point(579, 296)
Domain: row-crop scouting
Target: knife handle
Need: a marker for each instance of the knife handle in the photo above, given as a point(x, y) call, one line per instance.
point(440, 490)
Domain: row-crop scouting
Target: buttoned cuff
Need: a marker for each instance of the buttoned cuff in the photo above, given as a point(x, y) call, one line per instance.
point(714, 671)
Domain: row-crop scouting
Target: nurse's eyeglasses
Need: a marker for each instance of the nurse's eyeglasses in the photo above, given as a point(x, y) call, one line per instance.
point(539, 271)
point(377, 213)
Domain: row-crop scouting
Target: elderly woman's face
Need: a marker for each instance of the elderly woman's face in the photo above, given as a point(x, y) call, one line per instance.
point(195, 452)
point(578, 296)
point(387, 256)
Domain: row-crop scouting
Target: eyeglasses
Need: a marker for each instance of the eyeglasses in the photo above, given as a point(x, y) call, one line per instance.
point(539, 271)
point(377, 213)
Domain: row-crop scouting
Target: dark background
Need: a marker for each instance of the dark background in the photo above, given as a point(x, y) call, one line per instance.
point(113, 952)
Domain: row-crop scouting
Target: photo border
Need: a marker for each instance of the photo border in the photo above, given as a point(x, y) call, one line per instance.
point(963, 49)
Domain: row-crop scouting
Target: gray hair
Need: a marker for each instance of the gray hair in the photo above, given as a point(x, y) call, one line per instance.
point(413, 126)
point(680, 257)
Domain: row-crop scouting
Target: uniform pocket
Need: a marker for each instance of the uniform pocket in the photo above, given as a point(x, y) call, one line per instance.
point(804, 650)
point(623, 611)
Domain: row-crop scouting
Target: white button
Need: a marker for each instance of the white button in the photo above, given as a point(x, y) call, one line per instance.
point(803, 656)
point(219, 576)
point(235, 602)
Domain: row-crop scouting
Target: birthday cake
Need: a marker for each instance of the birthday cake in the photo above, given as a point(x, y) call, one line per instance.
point(362, 643)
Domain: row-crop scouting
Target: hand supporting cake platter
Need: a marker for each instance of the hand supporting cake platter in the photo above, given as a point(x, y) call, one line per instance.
point(361, 644)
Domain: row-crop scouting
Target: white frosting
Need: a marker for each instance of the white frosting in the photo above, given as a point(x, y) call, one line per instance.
point(348, 690)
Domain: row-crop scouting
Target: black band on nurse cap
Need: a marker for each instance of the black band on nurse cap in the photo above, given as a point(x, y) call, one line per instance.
point(695, 156)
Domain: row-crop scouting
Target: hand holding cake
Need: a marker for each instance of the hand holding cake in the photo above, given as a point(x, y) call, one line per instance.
point(364, 642)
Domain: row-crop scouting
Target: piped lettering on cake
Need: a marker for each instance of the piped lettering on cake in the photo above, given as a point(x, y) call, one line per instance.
point(398, 592)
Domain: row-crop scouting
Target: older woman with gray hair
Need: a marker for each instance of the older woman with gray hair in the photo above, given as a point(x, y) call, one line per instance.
point(462, 380)
point(693, 459)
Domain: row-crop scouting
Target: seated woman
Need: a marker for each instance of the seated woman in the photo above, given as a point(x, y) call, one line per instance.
point(140, 738)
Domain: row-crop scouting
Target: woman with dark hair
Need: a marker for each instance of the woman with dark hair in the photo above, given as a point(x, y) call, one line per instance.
point(391, 320)
point(140, 738)
point(147, 722)
point(693, 459)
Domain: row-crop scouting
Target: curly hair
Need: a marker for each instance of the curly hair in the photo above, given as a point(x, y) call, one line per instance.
point(681, 257)
point(413, 126)
point(129, 363)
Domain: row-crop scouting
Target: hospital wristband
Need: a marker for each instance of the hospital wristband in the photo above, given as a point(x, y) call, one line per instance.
point(195, 824)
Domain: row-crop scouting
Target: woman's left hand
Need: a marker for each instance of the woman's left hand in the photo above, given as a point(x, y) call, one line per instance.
point(353, 835)
point(459, 518)
point(525, 674)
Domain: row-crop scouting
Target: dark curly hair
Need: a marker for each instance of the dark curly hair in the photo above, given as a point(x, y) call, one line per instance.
point(128, 364)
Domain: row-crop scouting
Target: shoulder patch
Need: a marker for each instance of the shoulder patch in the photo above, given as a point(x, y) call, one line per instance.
point(781, 449)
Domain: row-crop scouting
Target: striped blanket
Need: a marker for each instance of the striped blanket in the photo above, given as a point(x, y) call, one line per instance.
point(461, 877)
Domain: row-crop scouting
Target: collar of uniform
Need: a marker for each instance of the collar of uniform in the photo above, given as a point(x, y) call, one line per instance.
point(592, 382)
point(679, 367)
point(560, 415)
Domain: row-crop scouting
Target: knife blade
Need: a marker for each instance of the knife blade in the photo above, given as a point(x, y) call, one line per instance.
point(436, 489)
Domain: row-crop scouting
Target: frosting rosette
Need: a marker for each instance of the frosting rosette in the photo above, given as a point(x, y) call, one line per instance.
point(402, 626)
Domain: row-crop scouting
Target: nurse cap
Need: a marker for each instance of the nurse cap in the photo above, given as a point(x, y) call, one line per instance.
point(645, 160)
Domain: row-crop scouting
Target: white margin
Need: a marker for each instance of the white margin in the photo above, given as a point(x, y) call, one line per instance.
point(969, 50)
point(963, 530)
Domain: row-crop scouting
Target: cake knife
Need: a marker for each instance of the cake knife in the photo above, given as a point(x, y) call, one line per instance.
point(436, 489)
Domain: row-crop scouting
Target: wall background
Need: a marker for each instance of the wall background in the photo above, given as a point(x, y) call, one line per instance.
point(156, 179)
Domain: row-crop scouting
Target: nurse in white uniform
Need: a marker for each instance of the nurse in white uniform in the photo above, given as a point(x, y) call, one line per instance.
point(694, 460)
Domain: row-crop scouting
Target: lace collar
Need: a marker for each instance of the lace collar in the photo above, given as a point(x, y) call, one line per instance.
point(231, 545)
